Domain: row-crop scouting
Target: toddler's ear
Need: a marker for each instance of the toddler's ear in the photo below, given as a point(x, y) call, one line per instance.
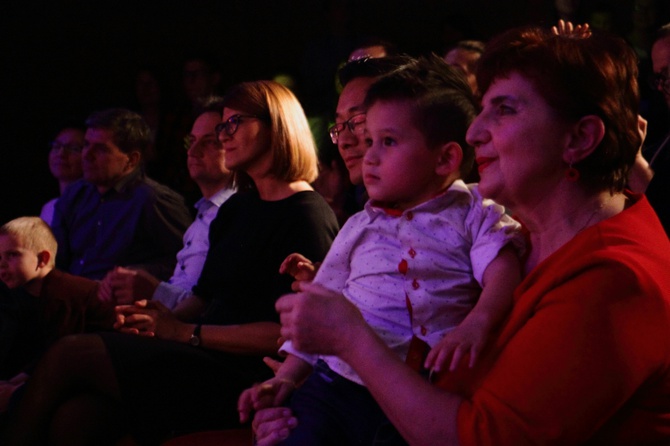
point(43, 258)
point(450, 156)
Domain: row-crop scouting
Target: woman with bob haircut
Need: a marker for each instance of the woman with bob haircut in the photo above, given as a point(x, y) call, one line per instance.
point(165, 372)
point(584, 356)
point(293, 153)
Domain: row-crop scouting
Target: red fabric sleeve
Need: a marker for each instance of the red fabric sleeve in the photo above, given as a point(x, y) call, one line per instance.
point(571, 355)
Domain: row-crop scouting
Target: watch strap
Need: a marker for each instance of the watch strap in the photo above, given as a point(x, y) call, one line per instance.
point(195, 337)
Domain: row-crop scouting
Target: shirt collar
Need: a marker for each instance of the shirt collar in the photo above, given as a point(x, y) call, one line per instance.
point(132, 177)
point(217, 199)
point(457, 188)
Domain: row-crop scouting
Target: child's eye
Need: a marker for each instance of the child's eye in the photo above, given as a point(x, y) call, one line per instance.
point(388, 141)
point(368, 142)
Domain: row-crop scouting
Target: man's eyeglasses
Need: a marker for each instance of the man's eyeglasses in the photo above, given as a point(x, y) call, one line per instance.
point(72, 148)
point(354, 124)
point(231, 124)
point(660, 81)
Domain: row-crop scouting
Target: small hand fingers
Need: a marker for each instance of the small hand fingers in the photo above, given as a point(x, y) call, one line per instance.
point(456, 358)
point(474, 354)
point(271, 430)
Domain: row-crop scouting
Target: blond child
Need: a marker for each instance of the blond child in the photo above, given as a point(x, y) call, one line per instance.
point(59, 303)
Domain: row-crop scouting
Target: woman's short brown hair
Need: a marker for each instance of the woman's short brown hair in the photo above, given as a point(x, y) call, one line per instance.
point(595, 75)
point(291, 141)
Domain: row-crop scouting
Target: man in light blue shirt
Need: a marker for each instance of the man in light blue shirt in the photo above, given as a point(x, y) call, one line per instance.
point(206, 166)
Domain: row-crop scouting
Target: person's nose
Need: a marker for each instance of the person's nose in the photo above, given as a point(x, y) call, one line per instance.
point(477, 133)
point(193, 149)
point(346, 139)
point(371, 156)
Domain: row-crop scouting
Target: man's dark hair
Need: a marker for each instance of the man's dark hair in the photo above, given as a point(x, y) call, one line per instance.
point(130, 131)
point(662, 32)
point(212, 104)
point(370, 67)
point(369, 41)
point(475, 46)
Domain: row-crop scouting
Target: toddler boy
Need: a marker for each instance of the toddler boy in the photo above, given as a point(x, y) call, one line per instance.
point(428, 262)
point(41, 304)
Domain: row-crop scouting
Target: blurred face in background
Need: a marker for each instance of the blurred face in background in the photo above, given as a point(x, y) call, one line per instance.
point(65, 155)
point(466, 61)
point(660, 58)
point(199, 80)
point(206, 159)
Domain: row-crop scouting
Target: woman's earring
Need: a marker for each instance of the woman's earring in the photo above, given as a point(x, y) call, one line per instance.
point(571, 174)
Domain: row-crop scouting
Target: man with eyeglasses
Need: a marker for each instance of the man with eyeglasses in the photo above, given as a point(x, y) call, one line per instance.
point(658, 191)
point(206, 166)
point(64, 162)
point(115, 215)
point(347, 132)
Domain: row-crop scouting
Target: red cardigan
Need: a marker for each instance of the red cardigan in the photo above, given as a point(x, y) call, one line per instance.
point(584, 356)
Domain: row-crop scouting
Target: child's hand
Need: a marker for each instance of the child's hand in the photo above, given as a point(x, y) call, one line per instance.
point(272, 363)
point(271, 393)
point(469, 337)
point(567, 29)
point(300, 267)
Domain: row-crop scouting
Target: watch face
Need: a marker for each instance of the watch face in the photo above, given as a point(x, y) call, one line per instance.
point(194, 341)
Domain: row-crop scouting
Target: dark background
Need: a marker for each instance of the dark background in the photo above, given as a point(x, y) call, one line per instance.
point(71, 57)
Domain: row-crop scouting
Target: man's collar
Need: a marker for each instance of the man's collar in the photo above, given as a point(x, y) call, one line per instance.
point(132, 177)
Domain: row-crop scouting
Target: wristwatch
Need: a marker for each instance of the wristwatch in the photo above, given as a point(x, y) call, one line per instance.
point(195, 337)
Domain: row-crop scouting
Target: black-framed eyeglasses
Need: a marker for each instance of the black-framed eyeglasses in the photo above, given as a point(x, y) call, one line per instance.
point(660, 80)
point(231, 124)
point(354, 124)
point(72, 148)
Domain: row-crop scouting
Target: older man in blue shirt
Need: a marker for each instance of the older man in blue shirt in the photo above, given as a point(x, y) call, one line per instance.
point(206, 166)
point(116, 215)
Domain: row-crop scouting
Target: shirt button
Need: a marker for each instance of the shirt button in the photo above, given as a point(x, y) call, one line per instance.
point(183, 267)
point(402, 266)
point(410, 215)
point(423, 331)
point(188, 243)
point(81, 262)
point(99, 223)
point(415, 284)
point(412, 252)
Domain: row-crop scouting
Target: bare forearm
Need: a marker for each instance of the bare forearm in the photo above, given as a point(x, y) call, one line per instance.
point(294, 369)
point(500, 279)
point(257, 338)
point(189, 308)
point(423, 414)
